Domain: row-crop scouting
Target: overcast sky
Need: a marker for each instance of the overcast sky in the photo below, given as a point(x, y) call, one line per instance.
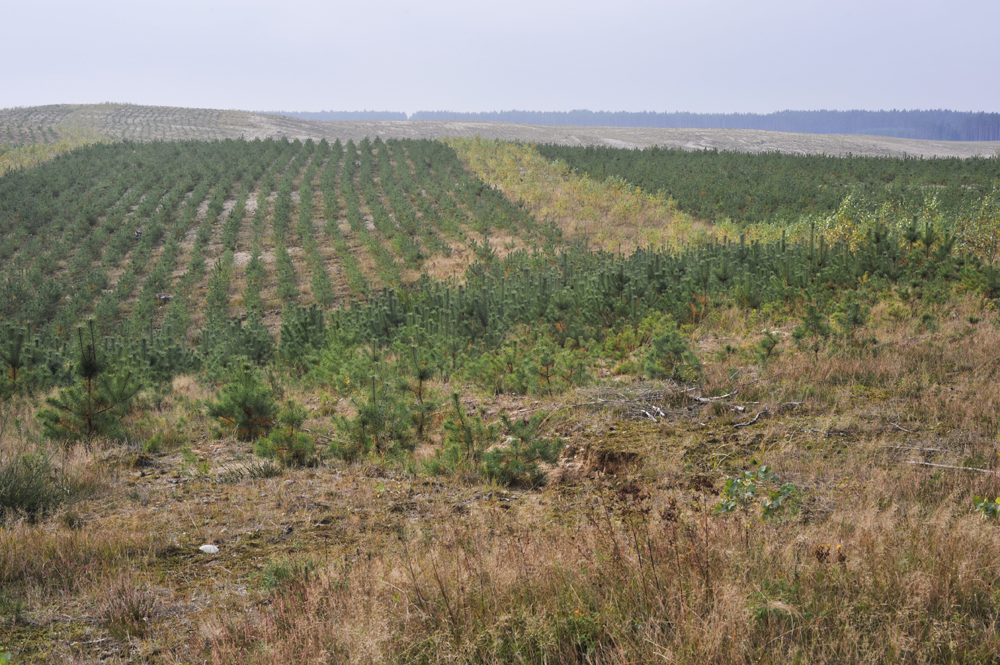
point(633, 55)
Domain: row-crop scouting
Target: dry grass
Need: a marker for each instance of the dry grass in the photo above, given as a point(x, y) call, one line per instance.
point(583, 582)
point(27, 156)
point(611, 214)
point(612, 562)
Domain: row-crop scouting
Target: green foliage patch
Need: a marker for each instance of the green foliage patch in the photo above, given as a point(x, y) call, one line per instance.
point(744, 187)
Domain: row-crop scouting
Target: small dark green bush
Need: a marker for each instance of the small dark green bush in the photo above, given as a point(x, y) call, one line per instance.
point(246, 405)
point(767, 345)
point(303, 333)
point(287, 443)
point(517, 462)
point(466, 440)
point(813, 331)
point(671, 358)
point(383, 423)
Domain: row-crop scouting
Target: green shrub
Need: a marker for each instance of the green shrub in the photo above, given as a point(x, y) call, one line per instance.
point(225, 346)
point(422, 369)
point(287, 443)
point(154, 444)
point(813, 331)
point(96, 403)
point(278, 574)
point(466, 440)
point(851, 315)
point(246, 405)
point(383, 423)
point(303, 334)
point(621, 345)
point(671, 357)
point(767, 346)
point(743, 491)
point(987, 508)
point(27, 486)
point(530, 365)
point(517, 462)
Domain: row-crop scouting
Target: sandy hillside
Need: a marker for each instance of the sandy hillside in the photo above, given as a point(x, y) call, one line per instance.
point(47, 124)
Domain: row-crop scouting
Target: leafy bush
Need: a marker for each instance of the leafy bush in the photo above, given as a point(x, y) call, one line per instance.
point(246, 405)
point(986, 508)
point(743, 491)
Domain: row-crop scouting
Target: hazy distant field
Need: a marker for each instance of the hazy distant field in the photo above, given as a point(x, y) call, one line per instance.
point(48, 124)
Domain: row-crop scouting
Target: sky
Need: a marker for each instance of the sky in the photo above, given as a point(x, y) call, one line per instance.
point(540, 55)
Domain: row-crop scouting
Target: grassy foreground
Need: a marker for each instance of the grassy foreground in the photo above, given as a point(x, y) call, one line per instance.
point(876, 556)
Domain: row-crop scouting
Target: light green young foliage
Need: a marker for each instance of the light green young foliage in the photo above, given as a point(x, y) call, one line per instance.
point(986, 508)
point(742, 493)
point(530, 365)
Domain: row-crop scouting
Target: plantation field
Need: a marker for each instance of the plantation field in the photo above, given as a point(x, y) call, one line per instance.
point(780, 188)
point(51, 124)
point(404, 400)
point(174, 233)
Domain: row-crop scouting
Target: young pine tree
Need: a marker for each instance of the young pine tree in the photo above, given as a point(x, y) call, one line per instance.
point(98, 400)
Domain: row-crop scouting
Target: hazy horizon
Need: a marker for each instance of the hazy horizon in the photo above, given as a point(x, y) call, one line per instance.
point(717, 56)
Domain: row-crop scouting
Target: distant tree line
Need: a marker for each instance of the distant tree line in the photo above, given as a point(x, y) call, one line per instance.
point(939, 124)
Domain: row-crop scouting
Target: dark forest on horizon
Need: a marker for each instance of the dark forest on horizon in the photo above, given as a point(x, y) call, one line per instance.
point(941, 125)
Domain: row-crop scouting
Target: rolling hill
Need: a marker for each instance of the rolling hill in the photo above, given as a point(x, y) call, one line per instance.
point(45, 124)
